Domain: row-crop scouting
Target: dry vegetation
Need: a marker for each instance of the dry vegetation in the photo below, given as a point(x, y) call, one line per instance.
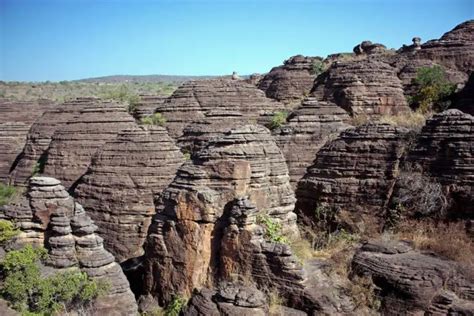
point(412, 120)
point(67, 90)
point(448, 240)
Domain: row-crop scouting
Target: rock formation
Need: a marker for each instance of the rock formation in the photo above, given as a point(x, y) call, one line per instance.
point(367, 47)
point(73, 145)
point(291, 81)
point(353, 175)
point(306, 130)
point(49, 216)
point(366, 86)
point(12, 140)
point(444, 150)
point(413, 283)
point(119, 188)
point(464, 100)
point(39, 138)
point(147, 105)
point(180, 252)
point(23, 111)
point(191, 101)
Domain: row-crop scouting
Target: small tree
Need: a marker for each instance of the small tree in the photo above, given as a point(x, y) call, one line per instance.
point(318, 67)
point(7, 193)
point(433, 89)
point(7, 231)
point(154, 119)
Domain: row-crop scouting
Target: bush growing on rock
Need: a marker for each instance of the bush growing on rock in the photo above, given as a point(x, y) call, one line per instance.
point(318, 67)
point(278, 119)
point(7, 193)
point(33, 294)
point(155, 119)
point(433, 89)
point(175, 307)
point(273, 229)
point(7, 231)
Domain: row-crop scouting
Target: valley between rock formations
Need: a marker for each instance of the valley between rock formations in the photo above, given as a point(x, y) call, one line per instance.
point(319, 188)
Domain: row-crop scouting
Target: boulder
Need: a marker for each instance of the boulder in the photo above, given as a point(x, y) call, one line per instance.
point(367, 47)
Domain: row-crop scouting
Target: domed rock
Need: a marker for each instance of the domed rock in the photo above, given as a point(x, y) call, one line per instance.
point(366, 86)
point(73, 144)
point(290, 82)
point(23, 111)
point(367, 47)
point(192, 100)
point(353, 176)
point(69, 235)
point(180, 246)
point(119, 188)
point(147, 105)
point(306, 130)
point(444, 150)
point(39, 137)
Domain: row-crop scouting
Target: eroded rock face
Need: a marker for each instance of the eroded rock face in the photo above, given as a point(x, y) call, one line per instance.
point(306, 131)
point(73, 145)
point(194, 99)
point(23, 111)
point(12, 140)
point(464, 100)
point(49, 216)
point(444, 150)
point(367, 47)
point(147, 105)
point(119, 188)
point(413, 283)
point(181, 248)
point(355, 174)
point(39, 137)
point(366, 86)
point(291, 81)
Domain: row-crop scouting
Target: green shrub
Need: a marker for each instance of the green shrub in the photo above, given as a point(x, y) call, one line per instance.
point(7, 231)
point(278, 119)
point(7, 193)
point(154, 119)
point(273, 229)
point(29, 292)
point(175, 307)
point(433, 89)
point(318, 67)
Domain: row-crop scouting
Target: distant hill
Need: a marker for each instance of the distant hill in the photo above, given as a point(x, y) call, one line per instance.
point(143, 79)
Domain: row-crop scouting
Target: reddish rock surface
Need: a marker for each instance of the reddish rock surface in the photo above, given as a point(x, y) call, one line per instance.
point(12, 140)
point(147, 105)
point(119, 188)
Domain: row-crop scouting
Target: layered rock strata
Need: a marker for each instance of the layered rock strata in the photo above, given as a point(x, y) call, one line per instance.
point(353, 174)
point(414, 283)
point(73, 144)
point(305, 132)
point(12, 140)
point(362, 87)
point(191, 101)
point(49, 215)
point(147, 105)
point(444, 150)
point(291, 81)
point(119, 187)
point(181, 248)
point(39, 137)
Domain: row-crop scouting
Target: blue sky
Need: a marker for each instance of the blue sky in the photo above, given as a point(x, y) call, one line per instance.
point(72, 39)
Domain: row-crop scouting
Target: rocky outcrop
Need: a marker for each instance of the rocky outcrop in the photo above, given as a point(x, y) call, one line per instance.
point(413, 283)
point(73, 144)
point(119, 188)
point(444, 150)
point(12, 140)
point(464, 100)
point(39, 137)
point(194, 99)
point(306, 130)
point(23, 111)
point(291, 81)
point(49, 216)
point(367, 86)
point(147, 105)
point(353, 175)
point(182, 245)
point(367, 47)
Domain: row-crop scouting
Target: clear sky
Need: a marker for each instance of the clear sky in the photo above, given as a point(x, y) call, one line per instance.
point(72, 39)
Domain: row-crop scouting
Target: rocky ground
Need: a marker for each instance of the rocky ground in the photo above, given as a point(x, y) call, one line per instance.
point(314, 189)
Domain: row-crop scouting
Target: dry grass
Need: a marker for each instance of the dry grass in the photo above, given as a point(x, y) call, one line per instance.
point(275, 301)
point(362, 292)
point(413, 120)
point(302, 249)
point(448, 240)
point(359, 119)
